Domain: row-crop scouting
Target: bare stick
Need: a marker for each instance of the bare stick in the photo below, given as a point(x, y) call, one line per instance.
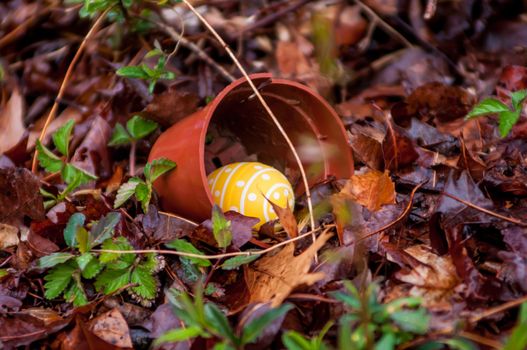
point(267, 109)
point(67, 76)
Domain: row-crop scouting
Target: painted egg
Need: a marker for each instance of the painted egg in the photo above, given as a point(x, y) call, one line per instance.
point(244, 187)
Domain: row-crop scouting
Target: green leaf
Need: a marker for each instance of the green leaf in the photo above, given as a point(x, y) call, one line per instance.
point(136, 72)
point(146, 283)
point(126, 191)
point(50, 162)
point(487, 106)
point(295, 341)
point(157, 167)
point(517, 98)
point(177, 335)
point(83, 260)
point(72, 174)
point(507, 121)
point(415, 321)
point(110, 280)
point(92, 269)
point(61, 138)
point(75, 293)
point(82, 237)
point(150, 262)
point(461, 344)
point(54, 259)
point(183, 246)
point(221, 228)
point(139, 127)
point(387, 342)
point(153, 53)
point(237, 261)
point(75, 222)
point(219, 322)
point(518, 338)
point(119, 136)
point(119, 243)
point(3, 273)
point(143, 193)
point(257, 326)
point(57, 280)
point(104, 228)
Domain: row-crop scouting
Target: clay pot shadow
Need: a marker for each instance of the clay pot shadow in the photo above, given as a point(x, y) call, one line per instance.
point(313, 126)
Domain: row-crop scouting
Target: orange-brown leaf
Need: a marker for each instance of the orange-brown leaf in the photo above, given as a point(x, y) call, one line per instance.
point(372, 189)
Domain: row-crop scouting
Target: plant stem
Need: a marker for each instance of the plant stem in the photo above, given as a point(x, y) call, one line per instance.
point(132, 157)
point(267, 109)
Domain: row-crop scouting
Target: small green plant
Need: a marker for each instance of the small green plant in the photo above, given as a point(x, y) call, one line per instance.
point(144, 72)
point(71, 175)
point(136, 129)
point(109, 272)
point(296, 341)
point(507, 116)
point(142, 189)
point(518, 337)
point(206, 320)
point(369, 324)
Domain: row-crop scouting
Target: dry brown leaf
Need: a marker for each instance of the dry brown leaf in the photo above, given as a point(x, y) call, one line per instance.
point(372, 189)
point(8, 236)
point(291, 61)
point(273, 278)
point(434, 279)
point(287, 219)
point(112, 328)
point(11, 121)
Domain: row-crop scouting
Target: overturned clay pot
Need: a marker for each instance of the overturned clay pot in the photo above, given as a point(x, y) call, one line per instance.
point(310, 122)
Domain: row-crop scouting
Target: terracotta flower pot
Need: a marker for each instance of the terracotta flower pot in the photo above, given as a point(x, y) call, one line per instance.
point(313, 126)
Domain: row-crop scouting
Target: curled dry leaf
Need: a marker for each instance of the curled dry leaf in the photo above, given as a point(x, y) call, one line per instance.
point(371, 189)
point(112, 328)
point(434, 279)
point(8, 236)
point(11, 121)
point(273, 278)
point(287, 219)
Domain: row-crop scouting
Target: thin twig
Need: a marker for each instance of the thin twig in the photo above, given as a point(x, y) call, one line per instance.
point(498, 309)
point(196, 49)
point(384, 24)
point(486, 211)
point(267, 109)
point(67, 76)
point(216, 256)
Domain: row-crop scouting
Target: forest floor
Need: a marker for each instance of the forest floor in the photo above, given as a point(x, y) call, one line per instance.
point(424, 246)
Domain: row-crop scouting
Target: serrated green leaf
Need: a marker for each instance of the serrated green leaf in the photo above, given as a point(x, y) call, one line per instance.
point(257, 326)
point(83, 260)
point(75, 293)
point(61, 138)
point(237, 261)
point(487, 106)
point(54, 259)
point(110, 280)
point(183, 246)
point(150, 262)
point(72, 174)
point(219, 322)
point(119, 243)
point(517, 98)
point(126, 191)
point(157, 167)
point(92, 269)
point(70, 232)
point(179, 334)
point(221, 228)
point(146, 283)
point(135, 72)
point(57, 280)
point(120, 136)
point(50, 162)
point(104, 228)
point(507, 121)
point(139, 127)
point(143, 193)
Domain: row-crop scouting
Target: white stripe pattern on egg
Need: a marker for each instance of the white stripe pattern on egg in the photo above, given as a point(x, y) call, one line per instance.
point(248, 185)
point(226, 184)
point(213, 187)
point(267, 194)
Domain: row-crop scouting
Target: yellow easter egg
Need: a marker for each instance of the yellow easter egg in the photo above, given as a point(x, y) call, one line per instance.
point(244, 187)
